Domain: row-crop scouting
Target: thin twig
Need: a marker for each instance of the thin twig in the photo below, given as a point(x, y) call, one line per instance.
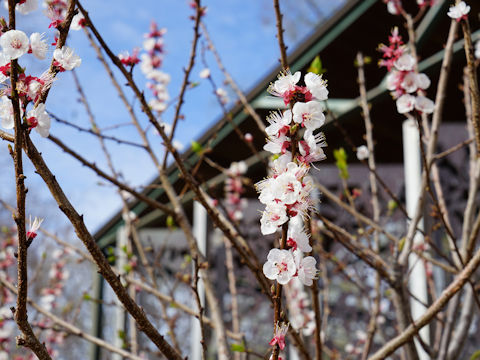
point(372, 326)
point(28, 337)
point(230, 80)
point(473, 81)
point(193, 51)
point(280, 31)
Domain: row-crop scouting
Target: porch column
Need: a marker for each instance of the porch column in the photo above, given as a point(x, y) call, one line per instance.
point(417, 283)
point(200, 233)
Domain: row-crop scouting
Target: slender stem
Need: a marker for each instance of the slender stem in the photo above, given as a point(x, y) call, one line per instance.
point(317, 334)
point(473, 81)
point(28, 338)
point(277, 299)
point(372, 326)
point(188, 70)
point(280, 31)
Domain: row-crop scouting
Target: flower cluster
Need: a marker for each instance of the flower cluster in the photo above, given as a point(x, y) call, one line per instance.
point(235, 205)
point(407, 86)
point(15, 43)
point(151, 62)
point(459, 11)
point(293, 140)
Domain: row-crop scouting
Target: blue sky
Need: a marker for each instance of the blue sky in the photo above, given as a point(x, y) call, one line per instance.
point(244, 34)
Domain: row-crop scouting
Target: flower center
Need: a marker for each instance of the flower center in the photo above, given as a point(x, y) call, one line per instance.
point(282, 267)
point(16, 44)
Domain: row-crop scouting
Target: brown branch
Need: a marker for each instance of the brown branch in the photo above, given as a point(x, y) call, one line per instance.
point(6, 136)
point(453, 149)
point(193, 51)
point(316, 304)
point(473, 81)
point(280, 31)
point(372, 326)
point(232, 288)
point(28, 337)
point(96, 132)
point(201, 309)
point(277, 298)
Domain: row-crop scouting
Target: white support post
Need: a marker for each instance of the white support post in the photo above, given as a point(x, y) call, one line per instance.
point(200, 233)
point(413, 182)
point(120, 316)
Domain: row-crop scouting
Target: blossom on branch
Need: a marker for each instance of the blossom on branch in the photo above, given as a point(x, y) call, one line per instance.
point(362, 152)
point(279, 336)
point(66, 59)
point(14, 44)
point(39, 119)
point(459, 11)
point(38, 46)
point(6, 113)
point(280, 266)
point(34, 226)
point(78, 22)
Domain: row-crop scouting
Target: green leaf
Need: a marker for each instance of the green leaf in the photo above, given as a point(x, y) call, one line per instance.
point(316, 66)
point(237, 347)
point(197, 147)
point(401, 244)
point(127, 268)
point(392, 206)
point(87, 297)
point(475, 355)
point(170, 222)
point(341, 161)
